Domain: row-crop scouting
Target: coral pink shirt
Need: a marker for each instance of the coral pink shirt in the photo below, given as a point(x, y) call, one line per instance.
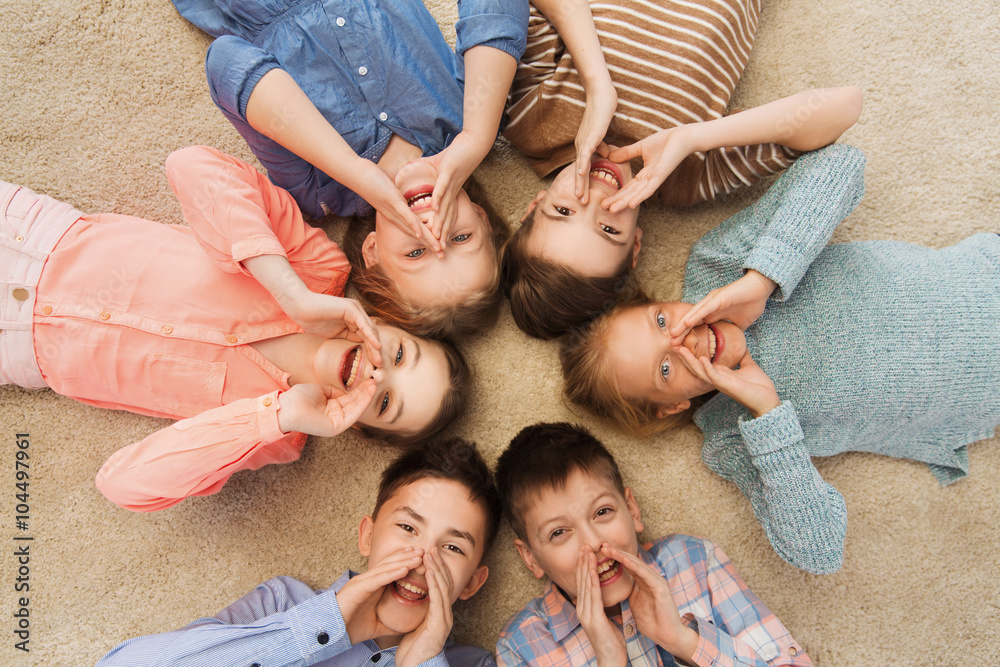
point(156, 319)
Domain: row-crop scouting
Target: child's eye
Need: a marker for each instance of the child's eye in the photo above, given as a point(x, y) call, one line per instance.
point(661, 321)
point(603, 511)
point(454, 548)
point(562, 210)
point(407, 527)
point(608, 230)
point(556, 533)
point(399, 354)
point(416, 253)
point(665, 370)
point(461, 238)
point(385, 403)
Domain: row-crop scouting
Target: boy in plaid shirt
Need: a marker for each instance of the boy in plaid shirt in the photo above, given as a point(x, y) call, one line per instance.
point(610, 602)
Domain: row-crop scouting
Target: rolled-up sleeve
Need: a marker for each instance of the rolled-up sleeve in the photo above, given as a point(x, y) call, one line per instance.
point(502, 24)
point(234, 66)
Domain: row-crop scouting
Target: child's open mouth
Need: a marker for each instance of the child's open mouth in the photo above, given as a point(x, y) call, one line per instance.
point(349, 369)
point(716, 343)
point(420, 197)
point(608, 571)
point(607, 175)
point(408, 591)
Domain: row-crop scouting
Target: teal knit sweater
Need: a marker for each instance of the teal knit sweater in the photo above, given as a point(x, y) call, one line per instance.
point(873, 346)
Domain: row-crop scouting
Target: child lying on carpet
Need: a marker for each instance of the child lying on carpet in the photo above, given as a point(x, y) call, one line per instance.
point(234, 324)
point(883, 347)
point(660, 78)
point(340, 103)
point(609, 601)
point(434, 521)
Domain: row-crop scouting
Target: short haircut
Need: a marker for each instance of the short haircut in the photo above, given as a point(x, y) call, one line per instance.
point(543, 457)
point(452, 403)
point(456, 460)
point(547, 298)
point(381, 297)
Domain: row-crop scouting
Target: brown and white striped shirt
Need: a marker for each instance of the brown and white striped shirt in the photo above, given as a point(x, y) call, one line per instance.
point(672, 62)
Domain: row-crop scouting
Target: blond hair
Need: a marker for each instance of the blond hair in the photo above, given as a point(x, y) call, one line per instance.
point(382, 298)
point(590, 382)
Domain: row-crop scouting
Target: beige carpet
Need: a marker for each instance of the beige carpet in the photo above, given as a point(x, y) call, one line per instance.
point(94, 96)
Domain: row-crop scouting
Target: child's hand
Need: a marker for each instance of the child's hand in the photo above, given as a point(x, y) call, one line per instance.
point(428, 639)
point(359, 596)
point(607, 640)
point(600, 109)
point(749, 385)
point(660, 153)
point(454, 165)
point(376, 188)
point(741, 302)
point(336, 317)
point(305, 408)
point(653, 606)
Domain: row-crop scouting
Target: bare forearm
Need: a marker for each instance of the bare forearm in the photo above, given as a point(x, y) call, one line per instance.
point(804, 121)
point(276, 274)
point(575, 24)
point(488, 75)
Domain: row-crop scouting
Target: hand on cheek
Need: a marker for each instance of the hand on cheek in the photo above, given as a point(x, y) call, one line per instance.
point(748, 385)
point(607, 640)
point(359, 596)
point(653, 606)
point(428, 639)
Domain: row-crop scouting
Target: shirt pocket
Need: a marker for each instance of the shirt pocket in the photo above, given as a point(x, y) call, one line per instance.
point(183, 386)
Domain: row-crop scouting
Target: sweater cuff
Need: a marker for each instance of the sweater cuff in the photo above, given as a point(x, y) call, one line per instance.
point(780, 262)
point(772, 432)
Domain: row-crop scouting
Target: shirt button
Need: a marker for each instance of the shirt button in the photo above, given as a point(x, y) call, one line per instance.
point(267, 404)
point(383, 116)
point(20, 294)
point(792, 650)
point(46, 310)
point(105, 315)
point(323, 638)
point(362, 70)
point(341, 21)
point(167, 329)
point(629, 629)
point(18, 238)
point(376, 657)
point(232, 339)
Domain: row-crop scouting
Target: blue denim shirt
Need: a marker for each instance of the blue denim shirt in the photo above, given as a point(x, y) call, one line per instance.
point(373, 69)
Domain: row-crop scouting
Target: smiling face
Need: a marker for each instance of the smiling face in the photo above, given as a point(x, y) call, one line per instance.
point(647, 365)
point(469, 264)
point(434, 515)
point(585, 513)
point(412, 377)
point(585, 236)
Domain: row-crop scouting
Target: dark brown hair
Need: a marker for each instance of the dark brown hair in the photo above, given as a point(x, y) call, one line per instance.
point(542, 457)
point(381, 297)
point(452, 403)
point(547, 299)
point(454, 459)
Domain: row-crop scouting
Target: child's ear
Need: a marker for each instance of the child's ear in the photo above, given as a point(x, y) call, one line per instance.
point(365, 536)
point(475, 583)
point(533, 204)
point(633, 509)
point(637, 246)
point(528, 558)
point(369, 252)
point(667, 410)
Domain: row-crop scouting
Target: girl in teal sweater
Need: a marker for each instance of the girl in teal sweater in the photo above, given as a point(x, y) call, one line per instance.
point(883, 347)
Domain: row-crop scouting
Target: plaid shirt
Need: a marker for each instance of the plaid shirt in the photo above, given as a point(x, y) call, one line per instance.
point(734, 626)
